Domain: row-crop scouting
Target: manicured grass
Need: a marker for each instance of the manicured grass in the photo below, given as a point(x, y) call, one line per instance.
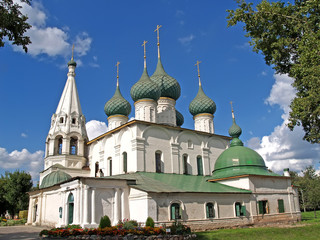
point(308, 228)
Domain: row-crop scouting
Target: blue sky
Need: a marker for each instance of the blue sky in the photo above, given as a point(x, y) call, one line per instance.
point(105, 32)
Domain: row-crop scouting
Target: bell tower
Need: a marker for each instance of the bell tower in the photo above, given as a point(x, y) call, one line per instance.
point(67, 137)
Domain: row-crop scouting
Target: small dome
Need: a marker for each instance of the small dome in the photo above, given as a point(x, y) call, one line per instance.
point(235, 131)
point(238, 160)
point(145, 88)
point(179, 118)
point(117, 105)
point(54, 178)
point(72, 63)
point(169, 86)
point(202, 104)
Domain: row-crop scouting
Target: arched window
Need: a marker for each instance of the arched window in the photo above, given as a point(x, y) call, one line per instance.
point(73, 146)
point(70, 208)
point(96, 169)
point(210, 210)
point(185, 164)
point(73, 121)
point(110, 166)
point(125, 162)
point(199, 165)
point(175, 211)
point(158, 162)
point(240, 210)
point(61, 120)
point(58, 145)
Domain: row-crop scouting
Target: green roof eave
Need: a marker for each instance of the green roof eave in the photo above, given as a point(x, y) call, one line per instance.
point(168, 183)
point(235, 171)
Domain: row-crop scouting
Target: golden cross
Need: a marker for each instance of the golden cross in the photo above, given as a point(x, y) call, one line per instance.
point(197, 64)
point(232, 110)
point(144, 48)
point(118, 63)
point(72, 51)
point(157, 30)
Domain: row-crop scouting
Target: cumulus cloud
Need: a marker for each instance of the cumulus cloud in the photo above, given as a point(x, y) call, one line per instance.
point(186, 41)
point(52, 41)
point(23, 160)
point(95, 128)
point(24, 135)
point(284, 148)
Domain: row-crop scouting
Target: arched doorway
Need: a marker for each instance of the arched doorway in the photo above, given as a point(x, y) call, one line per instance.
point(70, 208)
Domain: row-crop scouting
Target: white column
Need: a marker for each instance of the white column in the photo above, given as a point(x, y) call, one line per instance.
point(30, 211)
point(116, 206)
point(85, 207)
point(39, 209)
point(81, 204)
point(77, 206)
point(124, 204)
point(66, 212)
point(93, 206)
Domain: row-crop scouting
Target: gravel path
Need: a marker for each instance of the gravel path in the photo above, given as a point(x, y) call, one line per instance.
point(20, 232)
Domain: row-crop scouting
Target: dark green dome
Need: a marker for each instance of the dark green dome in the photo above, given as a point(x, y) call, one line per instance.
point(117, 105)
point(235, 131)
point(169, 86)
point(202, 104)
point(238, 160)
point(179, 118)
point(54, 178)
point(145, 88)
point(72, 63)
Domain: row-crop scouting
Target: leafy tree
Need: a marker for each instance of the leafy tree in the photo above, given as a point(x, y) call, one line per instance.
point(289, 38)
point(13, 24)
point(16, 185)
point(3, 202)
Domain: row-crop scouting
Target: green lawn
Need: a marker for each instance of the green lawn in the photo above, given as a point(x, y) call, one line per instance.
point(309, 228)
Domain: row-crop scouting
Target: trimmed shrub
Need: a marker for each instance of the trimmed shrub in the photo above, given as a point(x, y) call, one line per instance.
point(105, 222)
point(150, 222)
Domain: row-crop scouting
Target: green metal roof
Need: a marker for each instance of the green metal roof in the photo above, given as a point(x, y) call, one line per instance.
point(117, 105)
point(238, 160)
point(54, 178)
point(166, 182)
point(179, 118)
point(169, 86)
point(145, 88)
point(202, 104)
point(72, 63)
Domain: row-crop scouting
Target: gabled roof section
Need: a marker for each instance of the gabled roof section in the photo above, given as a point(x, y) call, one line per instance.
point(168, 183)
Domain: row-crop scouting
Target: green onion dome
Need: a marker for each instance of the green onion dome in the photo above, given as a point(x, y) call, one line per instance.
point(179, 118)
point(117, 105)
point(202, 104)
point(54, 178)
point(238, 160)
point(168, 85)
point(145, 88)
point(72, 63)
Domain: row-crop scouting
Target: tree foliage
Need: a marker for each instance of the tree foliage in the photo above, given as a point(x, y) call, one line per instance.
point(13, 24)
point(288, 36)
point(13, 191)
point(309, 188)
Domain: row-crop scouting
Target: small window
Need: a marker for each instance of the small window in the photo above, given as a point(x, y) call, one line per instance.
point(210, 210)
point(110, 167)
point(61, 120)
point(175, 211)
point(73, 121)
point(240, 209)
point(73, 146)
point(158, 162)
point(96, 170)
point(199, 166)
point(263, 207)
point(280, 206)
point(190, 144)
point(125, 162)
point(185, 164)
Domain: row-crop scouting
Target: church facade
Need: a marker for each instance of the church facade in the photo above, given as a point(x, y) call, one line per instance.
point(152, 167)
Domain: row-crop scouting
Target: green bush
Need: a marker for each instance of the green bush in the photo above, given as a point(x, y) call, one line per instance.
point(105, 222)
point(23, 214)
point(179, 228)
point(149, 222)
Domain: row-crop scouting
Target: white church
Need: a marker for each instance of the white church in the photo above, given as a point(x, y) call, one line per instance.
point(152, 167)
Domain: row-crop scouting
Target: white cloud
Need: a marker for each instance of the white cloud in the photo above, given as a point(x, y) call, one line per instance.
point(24, 135)
point(23, 160)
point(52, 41)
point(186, 41)
point(82, 44)
point(284, 148)
point(95, 128)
